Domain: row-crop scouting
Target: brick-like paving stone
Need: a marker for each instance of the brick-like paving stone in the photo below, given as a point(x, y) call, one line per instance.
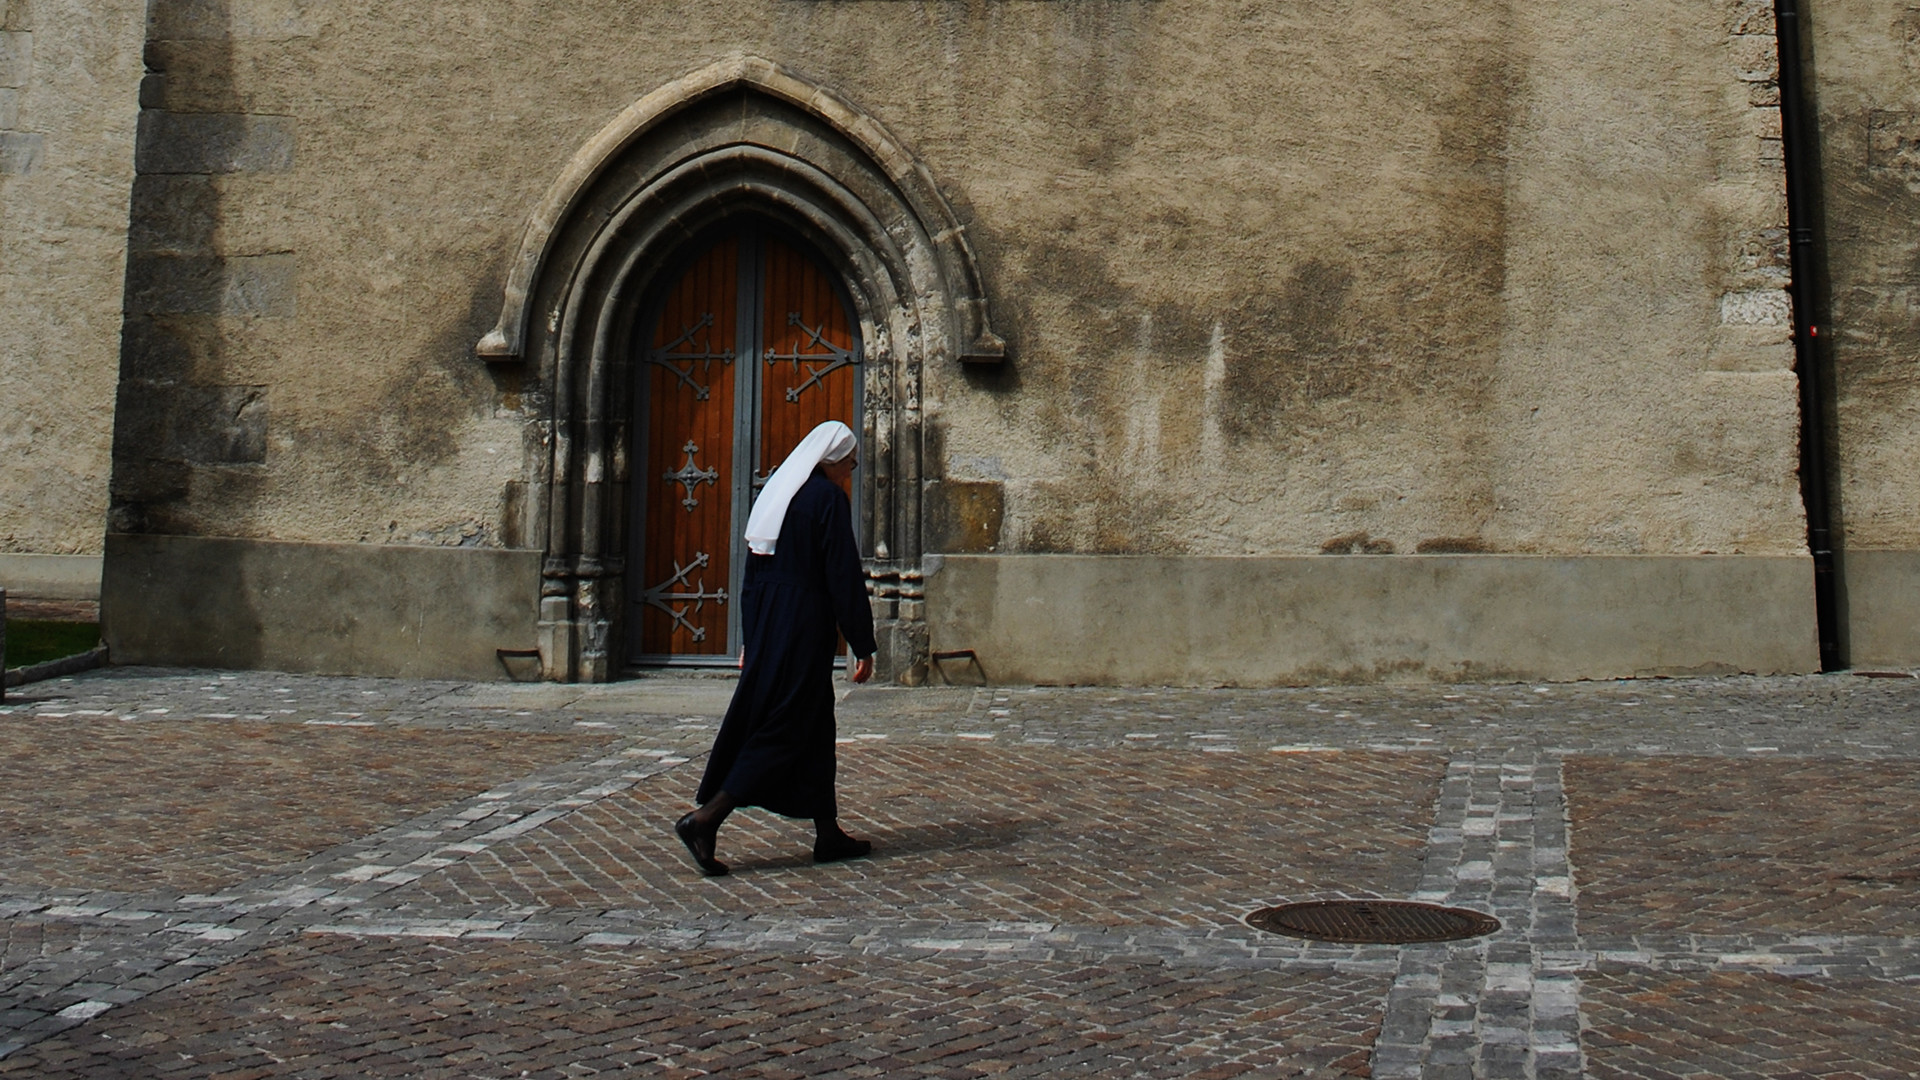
point(339, 1007)
point(422, 879)
point(1136, 838)
point(156, 803)
point(1728, 846)
point(1645, 1026)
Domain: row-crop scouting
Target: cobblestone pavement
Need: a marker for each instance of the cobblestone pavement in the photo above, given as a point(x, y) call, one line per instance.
point(496, 1009)
point(998, 834)
point(157, 804)
point(1708, 845)
point(259, 875)
point(1742, 1024)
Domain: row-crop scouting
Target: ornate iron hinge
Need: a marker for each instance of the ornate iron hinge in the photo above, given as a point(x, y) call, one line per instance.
point(690, 477)
point(835, 356)
point(662, 598)
point(665, 357)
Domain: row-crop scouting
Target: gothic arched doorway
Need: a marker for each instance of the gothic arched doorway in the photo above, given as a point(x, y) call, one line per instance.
point(740, 356)
point(742, 139)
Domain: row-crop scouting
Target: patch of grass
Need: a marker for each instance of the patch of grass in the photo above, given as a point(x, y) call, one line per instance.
point(35, 641)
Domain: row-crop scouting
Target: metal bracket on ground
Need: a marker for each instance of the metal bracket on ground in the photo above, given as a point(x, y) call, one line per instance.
point(935, 662)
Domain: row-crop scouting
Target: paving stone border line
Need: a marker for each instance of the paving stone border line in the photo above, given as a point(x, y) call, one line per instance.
point(1506, 1005)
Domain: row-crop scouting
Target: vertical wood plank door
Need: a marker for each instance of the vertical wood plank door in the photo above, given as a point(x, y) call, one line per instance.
point(807, 354)
point(753, 346)
point(689, 372)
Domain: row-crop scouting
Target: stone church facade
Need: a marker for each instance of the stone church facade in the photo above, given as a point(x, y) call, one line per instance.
point(1187, 341)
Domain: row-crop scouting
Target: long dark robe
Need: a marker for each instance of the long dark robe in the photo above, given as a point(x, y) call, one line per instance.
point(775, 748)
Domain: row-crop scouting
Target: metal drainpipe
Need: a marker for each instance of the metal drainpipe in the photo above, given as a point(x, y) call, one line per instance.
point(1799, 148)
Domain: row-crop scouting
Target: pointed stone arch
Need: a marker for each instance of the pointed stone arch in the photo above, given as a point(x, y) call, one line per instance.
point(741, 139)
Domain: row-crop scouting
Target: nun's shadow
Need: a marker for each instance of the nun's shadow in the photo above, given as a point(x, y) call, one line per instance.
point(987, 834)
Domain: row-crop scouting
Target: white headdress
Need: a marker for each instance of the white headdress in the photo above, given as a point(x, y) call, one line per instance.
point(830, 442)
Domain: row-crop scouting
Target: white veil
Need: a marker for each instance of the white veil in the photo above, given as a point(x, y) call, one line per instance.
point(830, 442)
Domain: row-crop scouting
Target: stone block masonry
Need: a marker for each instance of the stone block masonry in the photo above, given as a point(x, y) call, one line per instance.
point(1517, 295)
point(16, 58)
point(260, 286)
point(19, 150)
point(1755, 309)
point(181, 423)
point(213, 143)
point(1518, 298)
point(201, 424)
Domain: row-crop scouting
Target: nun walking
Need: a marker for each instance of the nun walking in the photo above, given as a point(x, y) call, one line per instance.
point(803, 579)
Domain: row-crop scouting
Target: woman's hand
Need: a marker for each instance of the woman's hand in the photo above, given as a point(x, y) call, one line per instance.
point(862, 669)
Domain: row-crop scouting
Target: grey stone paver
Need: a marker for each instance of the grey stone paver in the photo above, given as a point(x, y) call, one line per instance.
point(1499, 840)
point(1507, 1004)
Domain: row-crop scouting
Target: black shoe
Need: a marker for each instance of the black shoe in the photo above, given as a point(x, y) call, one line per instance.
point(834, 849)
point(699, 845)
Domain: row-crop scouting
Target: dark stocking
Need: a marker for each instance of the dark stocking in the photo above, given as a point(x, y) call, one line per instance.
point(698, 830)
point(714, 811)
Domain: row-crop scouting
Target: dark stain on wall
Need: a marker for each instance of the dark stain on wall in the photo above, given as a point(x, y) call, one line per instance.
point(417, 412)
point(963, 517)
point(514, 500)
point(1293, 348)
point(1453, 545)
point(1356, 543)
point(1870, 160)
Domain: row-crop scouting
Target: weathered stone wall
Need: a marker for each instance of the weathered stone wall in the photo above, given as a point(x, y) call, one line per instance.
point(1865, 78)
point(1351, 277)
point(1404, 280)
point(1277, 278)
point(69, 76)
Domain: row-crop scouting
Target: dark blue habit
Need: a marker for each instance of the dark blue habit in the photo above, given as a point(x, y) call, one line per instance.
point(775, 748)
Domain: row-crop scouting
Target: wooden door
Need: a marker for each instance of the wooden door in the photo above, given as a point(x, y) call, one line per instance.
point(807, 352)
point(749, 350)
point(689, 373)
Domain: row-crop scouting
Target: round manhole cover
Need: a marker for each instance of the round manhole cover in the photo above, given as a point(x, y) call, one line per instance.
point(1372, 922)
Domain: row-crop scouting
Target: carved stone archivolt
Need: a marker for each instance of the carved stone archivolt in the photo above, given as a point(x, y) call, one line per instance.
point(744, 139)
